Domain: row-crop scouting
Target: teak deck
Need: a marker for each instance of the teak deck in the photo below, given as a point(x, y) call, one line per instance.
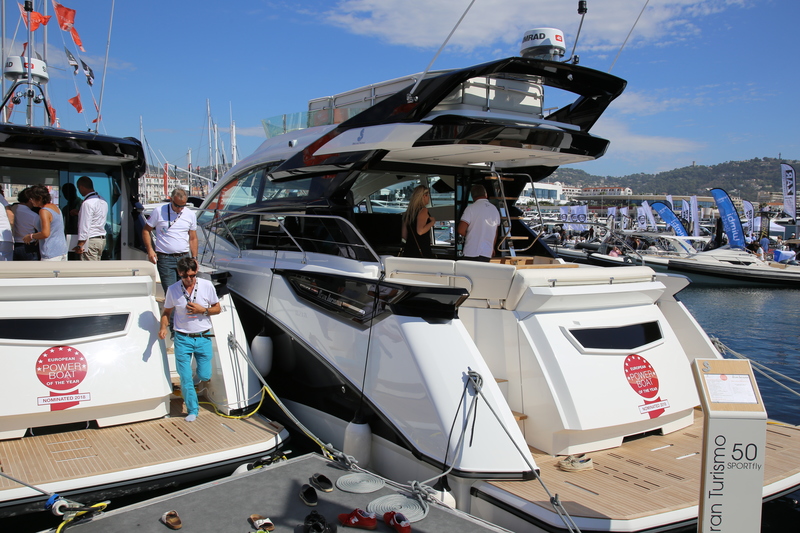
point(646, 476)
point(49, 458)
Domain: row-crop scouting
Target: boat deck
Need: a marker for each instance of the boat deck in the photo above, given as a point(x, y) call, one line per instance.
point(655, 474)
point(89, 452)
point(272, 491)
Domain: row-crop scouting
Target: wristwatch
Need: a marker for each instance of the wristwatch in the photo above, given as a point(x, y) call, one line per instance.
point(206, 312)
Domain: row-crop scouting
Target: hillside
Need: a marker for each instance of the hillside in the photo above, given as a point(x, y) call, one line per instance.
point(740, 178)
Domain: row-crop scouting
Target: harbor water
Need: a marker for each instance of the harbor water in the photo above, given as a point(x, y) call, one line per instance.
point(759, 323)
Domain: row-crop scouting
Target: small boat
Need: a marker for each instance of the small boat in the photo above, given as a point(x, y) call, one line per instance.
point(474, 377)
point(729, 266)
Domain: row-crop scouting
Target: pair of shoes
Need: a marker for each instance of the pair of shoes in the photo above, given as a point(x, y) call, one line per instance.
point(359, 519)
point(322, 483)
point(316, 523)
point(308, 495)
point(261, 523)
point(172, 520)
point(576, 463)
point(191, 418)
point(398, 521)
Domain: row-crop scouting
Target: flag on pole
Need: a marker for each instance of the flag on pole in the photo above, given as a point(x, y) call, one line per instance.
point(66, 21)
point(730, 218)
point(789, 180)
point(695, 217)
point(670, 203)
point(749, 213)
point(89, 73)
point(72, 61)
point(649, 214)
point(36, 19)
point(76, 103)
point(666, 214)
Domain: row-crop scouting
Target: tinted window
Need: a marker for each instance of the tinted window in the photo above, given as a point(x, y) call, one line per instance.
point(61, 329)
point(621, 338)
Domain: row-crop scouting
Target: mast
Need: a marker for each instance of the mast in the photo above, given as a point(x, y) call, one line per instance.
point(210, 159)
point(234, 156)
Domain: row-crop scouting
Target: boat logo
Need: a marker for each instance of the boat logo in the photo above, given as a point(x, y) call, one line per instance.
point(643, 380)
point(62, 368)
point(360, 138)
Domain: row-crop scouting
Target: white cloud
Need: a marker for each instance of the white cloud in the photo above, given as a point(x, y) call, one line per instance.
point(631, 146)
point(425, 24)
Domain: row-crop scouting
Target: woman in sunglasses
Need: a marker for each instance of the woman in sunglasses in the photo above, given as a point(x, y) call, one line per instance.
point(193, 301)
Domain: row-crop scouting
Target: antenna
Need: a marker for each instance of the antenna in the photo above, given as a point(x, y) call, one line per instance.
point(629, 34)
point(582, 9)
point(410, 96)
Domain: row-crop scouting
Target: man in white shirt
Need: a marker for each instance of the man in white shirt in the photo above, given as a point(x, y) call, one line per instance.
point(479, 225)
point(91, 222)
point(175, 228)
point(6, 233)
point(190, 302)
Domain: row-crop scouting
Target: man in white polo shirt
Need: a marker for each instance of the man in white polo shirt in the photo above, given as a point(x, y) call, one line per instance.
point(479, 225)
point(175, 228)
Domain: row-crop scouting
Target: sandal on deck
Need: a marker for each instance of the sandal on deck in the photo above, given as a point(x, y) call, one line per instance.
point(172, 520)
point(261, 523)
point(322, 482)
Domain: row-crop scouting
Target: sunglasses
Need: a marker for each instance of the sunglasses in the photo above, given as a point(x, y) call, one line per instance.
point(178, 206)
point(186, 276)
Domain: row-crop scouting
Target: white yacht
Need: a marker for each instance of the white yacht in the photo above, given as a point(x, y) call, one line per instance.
point(474, 376)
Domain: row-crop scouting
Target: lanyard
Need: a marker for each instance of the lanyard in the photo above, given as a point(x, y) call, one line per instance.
point(186, 294)
point(170, 222)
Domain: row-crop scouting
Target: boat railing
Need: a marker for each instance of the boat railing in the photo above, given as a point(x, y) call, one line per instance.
point(295, 232)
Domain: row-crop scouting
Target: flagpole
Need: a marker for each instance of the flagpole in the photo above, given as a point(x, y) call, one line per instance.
point(105, 68)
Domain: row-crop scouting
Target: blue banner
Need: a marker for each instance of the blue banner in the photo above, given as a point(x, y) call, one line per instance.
point(730, 218)
point(669, 217)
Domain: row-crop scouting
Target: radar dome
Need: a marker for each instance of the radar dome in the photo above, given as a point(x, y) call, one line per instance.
point(543, 43)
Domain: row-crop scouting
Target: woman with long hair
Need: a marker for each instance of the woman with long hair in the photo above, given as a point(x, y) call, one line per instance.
point(52, 242)
point(417, 223)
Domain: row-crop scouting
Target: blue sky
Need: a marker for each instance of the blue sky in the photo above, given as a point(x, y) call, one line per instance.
point(708, 80)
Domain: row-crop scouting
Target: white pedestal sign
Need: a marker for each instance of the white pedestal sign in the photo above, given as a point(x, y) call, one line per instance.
point(734, 437)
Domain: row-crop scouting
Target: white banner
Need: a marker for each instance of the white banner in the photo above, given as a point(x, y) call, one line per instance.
point(641, 219)
point(670, 203)
point(695, 217)
point(648, 212)
point(748, 215)
point(686, 212)
point(623, 211)
point(578, 215)
point(789, 180)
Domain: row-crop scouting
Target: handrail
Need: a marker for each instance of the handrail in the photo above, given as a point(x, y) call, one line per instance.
point(341, 236)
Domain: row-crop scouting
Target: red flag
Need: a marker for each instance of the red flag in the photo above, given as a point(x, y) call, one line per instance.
point(66, 21)
point(36, 18)
point(99, 117)
point(9, 109)
point(76, 103)
point(52, 115)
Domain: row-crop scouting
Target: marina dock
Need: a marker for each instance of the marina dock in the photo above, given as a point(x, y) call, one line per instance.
point(272, 491)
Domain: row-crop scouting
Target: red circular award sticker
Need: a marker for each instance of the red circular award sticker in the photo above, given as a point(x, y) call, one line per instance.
point(641, 376)
point(61, 368)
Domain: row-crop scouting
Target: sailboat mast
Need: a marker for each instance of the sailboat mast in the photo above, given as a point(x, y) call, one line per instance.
point(210, 159)
point(234, 148)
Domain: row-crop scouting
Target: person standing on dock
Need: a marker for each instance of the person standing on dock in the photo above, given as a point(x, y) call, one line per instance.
point(91, 222)
point(175, 235)
point(478, 226)
point(190, 302)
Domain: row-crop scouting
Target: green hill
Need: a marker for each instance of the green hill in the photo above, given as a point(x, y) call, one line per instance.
point(739, 178)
